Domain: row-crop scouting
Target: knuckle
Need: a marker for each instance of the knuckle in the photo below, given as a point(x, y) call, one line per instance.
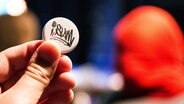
point(39, 73)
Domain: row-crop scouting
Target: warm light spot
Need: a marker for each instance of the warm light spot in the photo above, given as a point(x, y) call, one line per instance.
point(82, 98)
point(16, 7)
point(116, 82)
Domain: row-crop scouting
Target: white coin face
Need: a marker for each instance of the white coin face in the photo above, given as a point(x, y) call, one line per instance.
point(62, 31)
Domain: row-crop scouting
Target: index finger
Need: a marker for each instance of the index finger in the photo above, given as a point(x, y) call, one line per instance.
point(16, 58)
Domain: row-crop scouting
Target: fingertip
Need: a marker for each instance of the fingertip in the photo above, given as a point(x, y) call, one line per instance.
point(71, 96)
point(67, 79)
point(64, 65)
point(59, 97)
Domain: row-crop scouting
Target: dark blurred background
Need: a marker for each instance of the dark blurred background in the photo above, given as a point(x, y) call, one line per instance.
point(95, 20)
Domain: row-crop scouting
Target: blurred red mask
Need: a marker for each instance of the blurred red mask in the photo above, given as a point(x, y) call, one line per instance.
point(150, 49)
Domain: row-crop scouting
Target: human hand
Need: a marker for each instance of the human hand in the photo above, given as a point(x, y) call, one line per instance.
point(35, 72)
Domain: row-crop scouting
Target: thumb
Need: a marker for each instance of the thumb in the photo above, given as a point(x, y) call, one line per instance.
point(39, 73)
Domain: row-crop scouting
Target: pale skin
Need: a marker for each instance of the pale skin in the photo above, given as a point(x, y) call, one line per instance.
point(35, 73)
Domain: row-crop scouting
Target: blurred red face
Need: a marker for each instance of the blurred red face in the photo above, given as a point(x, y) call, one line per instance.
point(152, 45)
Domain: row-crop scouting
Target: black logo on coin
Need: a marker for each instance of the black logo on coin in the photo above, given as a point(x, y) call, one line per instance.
point(62, 34)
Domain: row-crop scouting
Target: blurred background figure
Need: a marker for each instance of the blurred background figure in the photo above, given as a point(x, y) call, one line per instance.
point(17, 23)
point(150, 56)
